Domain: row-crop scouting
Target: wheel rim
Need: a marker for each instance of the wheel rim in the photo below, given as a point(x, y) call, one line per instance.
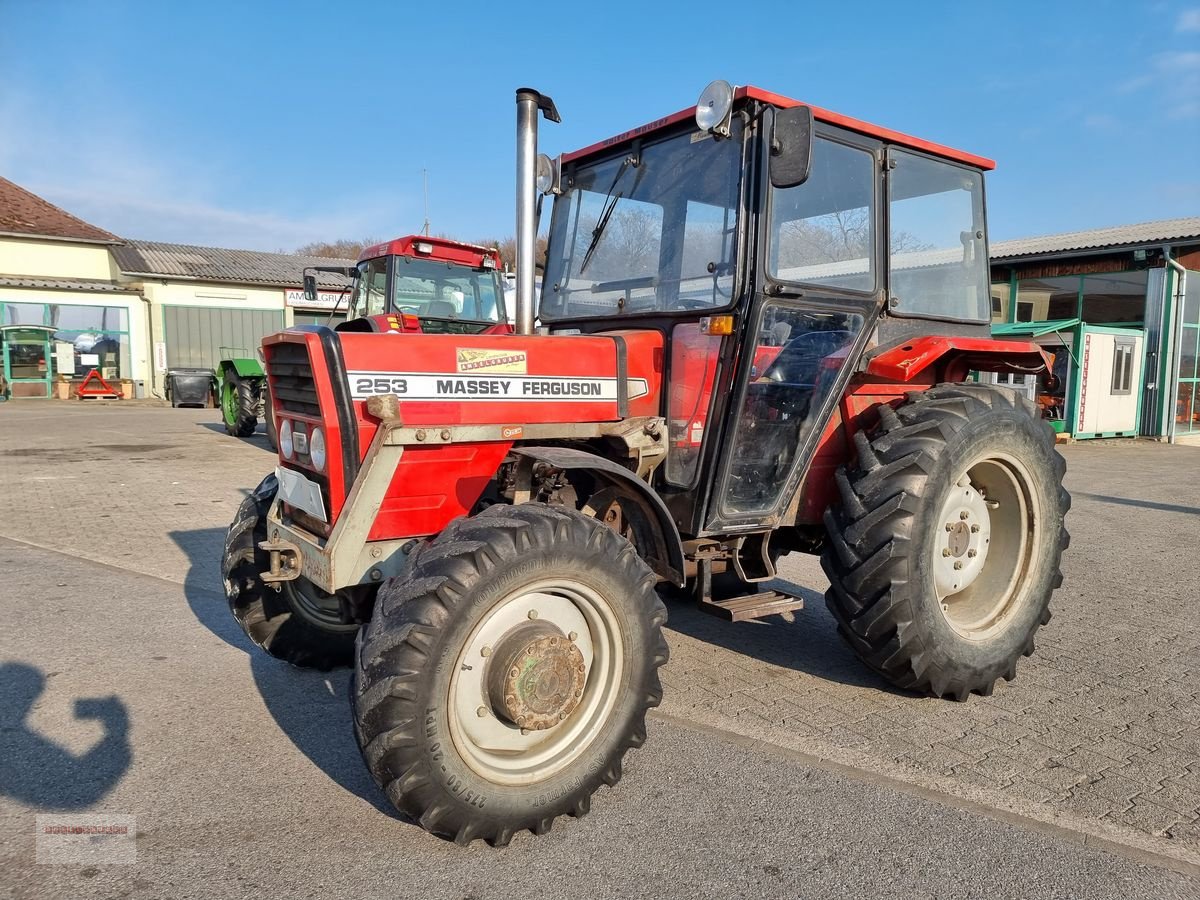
point(315, 605)
point(986, 545)
point(229, 402)
point(483, 708)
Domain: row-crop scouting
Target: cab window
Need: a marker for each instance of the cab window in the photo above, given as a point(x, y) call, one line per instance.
point(938, 263)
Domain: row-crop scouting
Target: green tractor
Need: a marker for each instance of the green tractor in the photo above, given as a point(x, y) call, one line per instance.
point(243, 393)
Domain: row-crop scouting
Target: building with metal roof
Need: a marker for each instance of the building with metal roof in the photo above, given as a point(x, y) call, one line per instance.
point(1120, 309)
point(1100, 240)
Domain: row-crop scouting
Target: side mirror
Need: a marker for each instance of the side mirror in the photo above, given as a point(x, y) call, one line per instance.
point(791, 147)
point(310, 288)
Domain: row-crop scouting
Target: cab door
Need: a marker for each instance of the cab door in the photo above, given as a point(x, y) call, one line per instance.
point(793, 365)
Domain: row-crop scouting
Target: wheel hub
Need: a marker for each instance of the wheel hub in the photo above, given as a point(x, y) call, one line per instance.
point(536, 677)
point(965, 532)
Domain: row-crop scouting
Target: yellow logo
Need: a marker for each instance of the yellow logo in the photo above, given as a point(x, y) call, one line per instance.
point(499, 361)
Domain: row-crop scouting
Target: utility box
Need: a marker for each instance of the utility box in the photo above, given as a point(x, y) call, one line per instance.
point(1098, 387)
point(1109, 382)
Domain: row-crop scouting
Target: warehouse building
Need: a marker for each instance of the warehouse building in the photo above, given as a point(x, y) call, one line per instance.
point(1120, 309)
point(75, 298)
point(207, 304)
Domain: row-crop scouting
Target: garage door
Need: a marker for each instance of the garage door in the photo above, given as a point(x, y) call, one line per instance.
point(195, 334)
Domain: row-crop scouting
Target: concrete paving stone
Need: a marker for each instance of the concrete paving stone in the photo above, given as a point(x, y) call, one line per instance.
point(1146, 815)
point(1058, 777)
point(1181, 795)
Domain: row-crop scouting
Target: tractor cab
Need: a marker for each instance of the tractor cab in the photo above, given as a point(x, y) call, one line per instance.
point(777, 248)
point(429, 284)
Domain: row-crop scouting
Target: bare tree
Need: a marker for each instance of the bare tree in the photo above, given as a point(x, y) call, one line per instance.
point(340, 249)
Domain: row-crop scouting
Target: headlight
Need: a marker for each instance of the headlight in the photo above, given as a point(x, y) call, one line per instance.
point(316, 448)
point(285, 439)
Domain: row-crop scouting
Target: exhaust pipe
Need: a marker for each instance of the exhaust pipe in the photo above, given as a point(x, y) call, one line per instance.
point(529, 102)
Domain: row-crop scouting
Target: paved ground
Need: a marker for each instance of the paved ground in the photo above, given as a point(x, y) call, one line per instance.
point(1098, 740)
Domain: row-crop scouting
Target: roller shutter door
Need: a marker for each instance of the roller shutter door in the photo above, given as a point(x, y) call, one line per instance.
point(195, 334)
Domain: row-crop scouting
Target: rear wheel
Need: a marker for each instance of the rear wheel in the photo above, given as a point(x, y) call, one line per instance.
point(945, 547)
point(299, 623)
point(501, 681)
point(239, 403)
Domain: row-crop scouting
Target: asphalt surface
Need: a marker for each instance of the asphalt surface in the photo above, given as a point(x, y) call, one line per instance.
point(244, 778)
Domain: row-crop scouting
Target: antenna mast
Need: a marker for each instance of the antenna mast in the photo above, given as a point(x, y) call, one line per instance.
point(425, 181)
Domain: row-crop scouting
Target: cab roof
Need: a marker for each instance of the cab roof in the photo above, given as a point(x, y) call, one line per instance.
point(821, 115)
point(439, 248)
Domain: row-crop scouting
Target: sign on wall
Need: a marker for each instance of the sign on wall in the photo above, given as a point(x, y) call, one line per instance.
point(325, 299)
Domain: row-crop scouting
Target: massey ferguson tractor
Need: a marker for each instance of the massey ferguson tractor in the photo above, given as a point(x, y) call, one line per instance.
point(758, 326)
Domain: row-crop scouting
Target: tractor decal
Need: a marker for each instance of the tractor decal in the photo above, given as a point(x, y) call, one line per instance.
point(426, 386)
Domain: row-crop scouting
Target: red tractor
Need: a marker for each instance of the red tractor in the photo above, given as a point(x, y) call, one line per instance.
point(759, 320)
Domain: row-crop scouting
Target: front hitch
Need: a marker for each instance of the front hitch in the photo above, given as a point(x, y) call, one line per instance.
point(285, 562)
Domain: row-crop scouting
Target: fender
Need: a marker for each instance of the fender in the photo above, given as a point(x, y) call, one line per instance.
point(953, 357)
point(668, 564)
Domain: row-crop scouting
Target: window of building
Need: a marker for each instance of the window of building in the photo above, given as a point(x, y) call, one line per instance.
point(1122, 379)
point(1001, 295)
point(98, 335)
point(1115, 298)
point(1049, 299)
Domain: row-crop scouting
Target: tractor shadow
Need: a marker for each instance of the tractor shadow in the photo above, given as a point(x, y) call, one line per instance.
point(311, 708)
point(809, 644)
point(258, 439)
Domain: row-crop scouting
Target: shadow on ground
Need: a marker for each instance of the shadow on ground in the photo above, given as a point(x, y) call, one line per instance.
point(258, 439)
point(809, 644)
point(1145, 504)
point(39, 772)
point(311, 708)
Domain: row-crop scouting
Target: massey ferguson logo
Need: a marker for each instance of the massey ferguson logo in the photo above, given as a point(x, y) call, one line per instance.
point(494, 360)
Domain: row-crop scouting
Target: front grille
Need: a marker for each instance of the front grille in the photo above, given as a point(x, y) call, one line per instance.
point(292, 384)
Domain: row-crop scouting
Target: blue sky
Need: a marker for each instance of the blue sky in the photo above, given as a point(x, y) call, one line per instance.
point(267, 125)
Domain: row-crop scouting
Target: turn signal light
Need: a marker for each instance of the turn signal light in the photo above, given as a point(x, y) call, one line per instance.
point(716, 325)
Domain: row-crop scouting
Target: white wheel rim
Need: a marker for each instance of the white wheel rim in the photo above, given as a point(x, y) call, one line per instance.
point(499, 750)
point(984, 549)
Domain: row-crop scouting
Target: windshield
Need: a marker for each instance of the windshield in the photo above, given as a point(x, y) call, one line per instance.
point(646, 232)
point(428, 289)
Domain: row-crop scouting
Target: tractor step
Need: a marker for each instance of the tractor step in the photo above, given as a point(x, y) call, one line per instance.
point(752, 606)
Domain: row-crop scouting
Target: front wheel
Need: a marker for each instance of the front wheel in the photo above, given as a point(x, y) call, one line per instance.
point(945, 547)
point(299, 623)
point(502, 679)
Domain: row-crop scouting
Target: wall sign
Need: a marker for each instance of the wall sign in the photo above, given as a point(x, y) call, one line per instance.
point(326, 300)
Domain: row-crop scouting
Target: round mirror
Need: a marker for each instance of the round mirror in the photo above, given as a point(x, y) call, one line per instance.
point(714, 105)
point(545, 174)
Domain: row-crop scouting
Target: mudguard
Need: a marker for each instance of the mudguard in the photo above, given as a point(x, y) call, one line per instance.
point(670, 564)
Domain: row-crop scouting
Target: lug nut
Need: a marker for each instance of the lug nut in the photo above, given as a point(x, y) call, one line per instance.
point(573, 636)
point(524, 731)
point(974, 529)
point(958, 564)
point(533, 614)
point(945, 551)
point(964, 515)
point(445, 435)
point(972, 553)
point(522, 721)
point(949, 526)
point(561, 716)
point(481, 712)
point(514, 672)
point(485, 651)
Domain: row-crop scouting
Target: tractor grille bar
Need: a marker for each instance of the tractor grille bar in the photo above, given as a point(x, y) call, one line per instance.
point(292, 384)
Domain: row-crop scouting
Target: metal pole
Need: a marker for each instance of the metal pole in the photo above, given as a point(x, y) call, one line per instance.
point(527, 123)
point(1176, 345)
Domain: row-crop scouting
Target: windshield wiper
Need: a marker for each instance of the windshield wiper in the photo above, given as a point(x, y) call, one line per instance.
point(610, 203)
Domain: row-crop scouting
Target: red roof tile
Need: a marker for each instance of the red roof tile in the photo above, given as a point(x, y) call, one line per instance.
point(24, 213)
